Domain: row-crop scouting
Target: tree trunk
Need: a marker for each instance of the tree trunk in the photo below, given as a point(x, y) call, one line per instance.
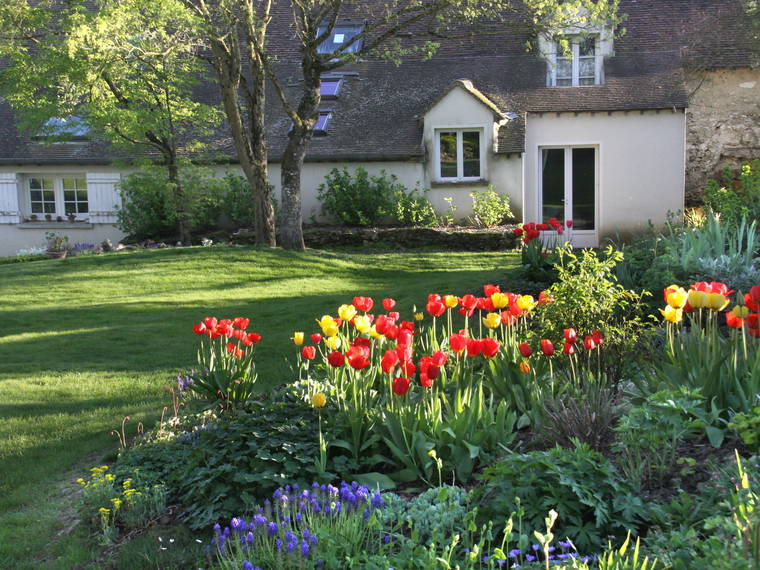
point(183, 221)
point(265, 218)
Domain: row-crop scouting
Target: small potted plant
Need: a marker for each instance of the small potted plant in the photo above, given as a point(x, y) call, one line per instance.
point(49, 217)
point(57, 245)
point(59, 219)
point(72, 218)
point(33, 218)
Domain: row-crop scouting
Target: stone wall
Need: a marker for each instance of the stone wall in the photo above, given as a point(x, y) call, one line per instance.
point(723, 124)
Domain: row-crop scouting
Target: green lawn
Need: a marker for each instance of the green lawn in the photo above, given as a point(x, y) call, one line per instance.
point(87, 341)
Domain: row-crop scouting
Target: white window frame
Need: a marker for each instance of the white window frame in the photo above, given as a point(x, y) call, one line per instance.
point(575, 42)
point(58, 194)
point(581, 238)
point(460, 177)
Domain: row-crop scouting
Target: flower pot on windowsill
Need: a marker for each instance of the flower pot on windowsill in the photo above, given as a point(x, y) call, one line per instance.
point(48, 218)
point(72, 218)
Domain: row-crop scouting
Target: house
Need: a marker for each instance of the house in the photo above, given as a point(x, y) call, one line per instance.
point(601, 137)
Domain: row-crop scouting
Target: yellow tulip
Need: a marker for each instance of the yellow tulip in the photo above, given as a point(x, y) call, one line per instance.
point(492, 320)
point(333, 341)
point(450, 301)
point(716, 301)
point(740, 311)
point(672, 314)
point(526, 302)
point(499, 300)
point(330, 330)
point(677, 298)
point(373, 333)
point(346, 312)
point(298, 338)
point(524, 367)
point(362, 323)
point(319, 400)
point(697, 299)
point(325, 321)
point(418, 316)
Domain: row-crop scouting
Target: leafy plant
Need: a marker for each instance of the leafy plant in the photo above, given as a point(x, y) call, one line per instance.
point(580, 483)
point(489, 208)
point(358, 199)
point(414, 208)
point(56, 242)
point(747, 425)
point(739, 197)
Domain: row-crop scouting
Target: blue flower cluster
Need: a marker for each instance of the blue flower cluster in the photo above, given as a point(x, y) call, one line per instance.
point(184, 382)
point(283, 523)
point(536, 553)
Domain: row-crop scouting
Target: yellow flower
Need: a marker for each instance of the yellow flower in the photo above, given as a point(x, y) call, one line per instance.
point(492, 320)
point(677, 298)
point(672, 315)
point(499, 300)
point(450, 301)
point(333, 342)
point(373, 332)
point(697, 299)
point(319, 400)
point(524, 367)
point(330, 331)
point(298, 338)
point(104, 511)
point(81, 481)
point(716, 301)
point(740, 311)
point(110, 477)
point(432, 453)
point(418, 316)
point(526, 302)
point(116, 503)
point(346, 312)
point(362, 323)
point(326, 321)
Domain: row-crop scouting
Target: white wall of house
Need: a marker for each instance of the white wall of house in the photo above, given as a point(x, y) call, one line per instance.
point(18, 232)
point(640, 163)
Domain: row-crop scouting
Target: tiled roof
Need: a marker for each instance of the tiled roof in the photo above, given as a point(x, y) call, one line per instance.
point(377, 113)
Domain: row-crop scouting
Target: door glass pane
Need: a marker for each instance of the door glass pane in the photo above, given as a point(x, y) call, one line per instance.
point(448, 155)
point(471, 152)
point(553, 183)
point(587, 66)
point(564, 68)
point(584, 184)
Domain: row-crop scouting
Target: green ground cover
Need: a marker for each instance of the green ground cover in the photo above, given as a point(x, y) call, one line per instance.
point(87, 341)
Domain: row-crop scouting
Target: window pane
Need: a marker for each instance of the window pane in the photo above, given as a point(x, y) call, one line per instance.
point(564, 68)
point(587, 46)
point(49, 208)
point(553, 183)
point(81, 183)
point(587, 81)
point(83, 207)
point(48, 196)
point(471, 151)
point(47, 183)
point(69, 195)
point(340, 34)
point(82, 195)
point(69, 183)
point(584, 184)
point(587, 66)
point(448, 155)
point(35, 184)
point(321, 125)
point(329, 87)
point(564, 82)
point(69, 208)
point(36, 195)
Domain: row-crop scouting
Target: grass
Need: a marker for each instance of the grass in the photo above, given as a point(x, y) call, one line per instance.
point(87, 341)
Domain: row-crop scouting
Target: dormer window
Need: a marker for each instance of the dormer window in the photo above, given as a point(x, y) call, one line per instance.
point(341, 33)
point(581, 66)
point(70, 129)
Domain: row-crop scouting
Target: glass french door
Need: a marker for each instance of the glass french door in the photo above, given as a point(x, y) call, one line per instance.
point(568, 188)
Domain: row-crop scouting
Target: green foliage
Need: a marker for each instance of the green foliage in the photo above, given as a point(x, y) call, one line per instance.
point(358, 199)
point(747, 425)
point(56, 242)
point(581, 484)
point(490, 209)
point(435, 514)
point(23, 258)
point(739, 197)
point(414, 208)
point(237, 202)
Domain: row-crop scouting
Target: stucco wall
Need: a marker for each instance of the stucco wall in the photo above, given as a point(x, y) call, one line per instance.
point(641, 163)
point(723, 124)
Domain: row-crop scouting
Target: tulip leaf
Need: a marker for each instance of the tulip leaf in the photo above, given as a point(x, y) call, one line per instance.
point(375, 480)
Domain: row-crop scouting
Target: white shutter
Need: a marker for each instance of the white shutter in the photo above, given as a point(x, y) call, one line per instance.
point(102, 196)
point(10, 213)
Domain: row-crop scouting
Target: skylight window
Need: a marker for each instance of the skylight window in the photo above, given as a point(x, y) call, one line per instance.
point(72, 128)
point(322, 122)
point(330, 87)
point(341, 34)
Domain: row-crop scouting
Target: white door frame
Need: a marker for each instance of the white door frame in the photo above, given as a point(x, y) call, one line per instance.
point(579, 238)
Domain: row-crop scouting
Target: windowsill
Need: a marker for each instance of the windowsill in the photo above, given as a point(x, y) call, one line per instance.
point(459, 183)
point(66, 225)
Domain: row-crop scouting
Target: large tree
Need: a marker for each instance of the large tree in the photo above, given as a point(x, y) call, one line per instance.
point(128, 68)
point(387, 22)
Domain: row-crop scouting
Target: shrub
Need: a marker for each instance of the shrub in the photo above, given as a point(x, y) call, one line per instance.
point(434, 514)
point(489, 208)
point(739, 197)
point(414, 208)
point(581, 484)
point(358, 199)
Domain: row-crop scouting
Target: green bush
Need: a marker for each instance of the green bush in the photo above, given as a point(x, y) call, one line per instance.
point(739, 197)
point(358, 199)
point(434, 514)
point(489, 208)
point(414, 208)
point(580, 483)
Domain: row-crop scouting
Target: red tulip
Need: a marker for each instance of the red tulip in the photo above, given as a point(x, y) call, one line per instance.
point(752, 321)
point(404, 352)
point(395, 315)
point(316, 338)
point(589, 343)
point(466, 312)
point(408, 325)
point(474, 347)
point(336, 359)
point(489, 347)
point(389, 361)
point(524, 349)
point(508, 318)
point(597, 336)
point(308, 352)
point(547, 347)
point(469, 301)
point(542, 227)
point(458, 342)
point(569, 223)
point(570, 335)
point(253, 338)
point(389, 303)
point(733, 321)
point(544, 298)
point(517, 232)
point(225, 329)
point(435, 308)
point(425, 380)
point(241, 323)
point(752, 299)
point(568, 348)
point(210, 322)
point(401, 385)
point(200, 328)
point(357, 360)
point(439, 358)
point(489, 290)
point(408, 367)
point(364, 304)
point(391, 332)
